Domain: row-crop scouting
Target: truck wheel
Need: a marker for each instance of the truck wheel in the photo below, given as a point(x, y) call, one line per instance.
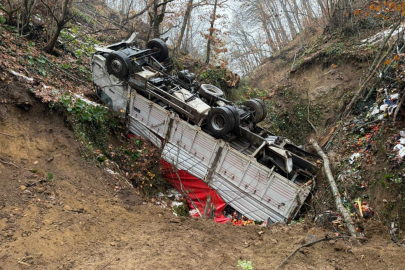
point(235, 115)
point(263, 106)
point(118, 64)
point(210, 91)
point(256, 108)
point(221, 121)
point(160, 47)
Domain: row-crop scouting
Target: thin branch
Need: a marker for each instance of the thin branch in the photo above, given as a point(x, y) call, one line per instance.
point(9, 163)
point(50, 11)
point(91, 33)
point(6, 134)
point(164, 3)
point(128, 18)
point(368, 79)
point(308, 245)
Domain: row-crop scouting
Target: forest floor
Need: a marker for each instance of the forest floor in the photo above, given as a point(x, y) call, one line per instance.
point(60, 211)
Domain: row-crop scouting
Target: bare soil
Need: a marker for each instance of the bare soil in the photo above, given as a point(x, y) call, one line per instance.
point(60, 211)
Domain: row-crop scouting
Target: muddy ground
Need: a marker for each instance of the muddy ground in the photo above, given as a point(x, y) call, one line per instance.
point(61, 211)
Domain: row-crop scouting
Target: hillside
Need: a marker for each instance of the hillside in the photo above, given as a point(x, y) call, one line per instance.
point(76, 192)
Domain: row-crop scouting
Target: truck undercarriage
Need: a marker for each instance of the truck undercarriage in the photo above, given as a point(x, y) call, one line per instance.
point(261, 175)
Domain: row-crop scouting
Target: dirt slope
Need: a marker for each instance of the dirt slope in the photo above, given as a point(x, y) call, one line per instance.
point(59, 211)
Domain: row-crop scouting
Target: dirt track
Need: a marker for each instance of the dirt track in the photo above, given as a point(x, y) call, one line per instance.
point(79, 217)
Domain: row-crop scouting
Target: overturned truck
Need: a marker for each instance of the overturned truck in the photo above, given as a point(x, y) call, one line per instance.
point(259, 174)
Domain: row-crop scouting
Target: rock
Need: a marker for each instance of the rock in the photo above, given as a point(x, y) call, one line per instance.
point(310, 238)
point(49, 159)
point(274, 241)
point(67, 208)
point(22, 187)
point(113, 244)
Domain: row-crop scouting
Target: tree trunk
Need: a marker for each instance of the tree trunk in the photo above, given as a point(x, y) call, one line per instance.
point(186, 43)
point(295, 10)
point(51, 45)
point(263, 19)
point(60, 23)
point(279, 24)
point(211, 30)
point(184, 25)
point(28, 6)
point(339, 205)
point(291, 25)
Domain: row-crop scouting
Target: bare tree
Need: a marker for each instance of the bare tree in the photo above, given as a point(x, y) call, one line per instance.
point(128, 14)
point(290, 22)
point(61, 16)
point(157, 13)
point(186, 19)
point(13, 7)
point(210, 37)
point(28, 6)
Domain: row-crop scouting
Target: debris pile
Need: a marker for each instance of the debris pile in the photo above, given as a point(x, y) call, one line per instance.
point(398, 146)
point(386, 103)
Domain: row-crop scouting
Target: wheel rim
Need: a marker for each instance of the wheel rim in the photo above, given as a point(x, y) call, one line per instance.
point(218, 122)
point(116, 65)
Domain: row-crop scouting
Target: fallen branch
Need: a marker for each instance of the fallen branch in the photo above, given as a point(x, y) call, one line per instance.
point(310, 244)
point(307, 245)
point(339, 205)
point(369, 77)
point(220, 262)
point(366, 124)
point(373, 88)
point(2, 133)
point(9, 163)
point(373, 68)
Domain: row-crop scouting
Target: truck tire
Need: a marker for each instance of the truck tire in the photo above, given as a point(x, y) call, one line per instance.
point(210, 91)
point(160, 47)
point(118, 64)
point(256, 108)
point(221, 121)
point(263, 106)
point(236, 116)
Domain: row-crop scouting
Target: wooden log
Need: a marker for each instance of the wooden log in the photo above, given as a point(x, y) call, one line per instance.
point(339, 205)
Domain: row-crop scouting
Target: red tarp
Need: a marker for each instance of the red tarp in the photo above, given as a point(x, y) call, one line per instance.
point(196, 189)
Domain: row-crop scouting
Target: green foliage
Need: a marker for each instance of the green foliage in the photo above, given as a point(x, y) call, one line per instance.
point(141, 161)
point(81, 16)
point(2, 20)
point(245, 265)
point(291, 121)
point(50, 177)
point(83, 46)
point(334, 49)
point(216, 77)
point(65, 66)
point(91, 123)
point(182, 210)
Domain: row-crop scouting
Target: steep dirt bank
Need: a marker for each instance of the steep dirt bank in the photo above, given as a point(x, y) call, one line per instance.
point(313, 86)
point(59, 211)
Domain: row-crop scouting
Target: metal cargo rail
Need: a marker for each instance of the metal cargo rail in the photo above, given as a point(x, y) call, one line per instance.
point(252, 189)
